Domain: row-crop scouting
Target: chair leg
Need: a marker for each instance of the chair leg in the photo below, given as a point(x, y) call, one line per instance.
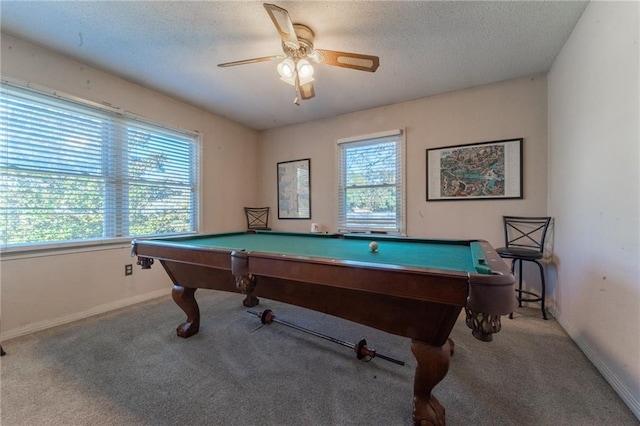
point(513, 264)
point(520, 283)
point(2, 352)
point(519, 290)
point(542, 290)
point(537, 298)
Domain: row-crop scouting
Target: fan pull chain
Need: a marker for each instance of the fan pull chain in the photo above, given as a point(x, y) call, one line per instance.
point(297, 98)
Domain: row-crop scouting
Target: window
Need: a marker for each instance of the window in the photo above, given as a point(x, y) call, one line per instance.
point(371, 195)
point(70, 171)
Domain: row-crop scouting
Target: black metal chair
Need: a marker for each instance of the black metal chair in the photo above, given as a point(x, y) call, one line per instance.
point(257, 218)
point(524, 241)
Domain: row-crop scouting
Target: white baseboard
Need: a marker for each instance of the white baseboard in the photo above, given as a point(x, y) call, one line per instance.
point(625, 394)
point(43, 325)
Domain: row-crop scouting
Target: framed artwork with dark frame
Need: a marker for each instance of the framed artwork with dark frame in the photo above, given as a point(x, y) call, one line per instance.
point(294, 189)
point(475, 171)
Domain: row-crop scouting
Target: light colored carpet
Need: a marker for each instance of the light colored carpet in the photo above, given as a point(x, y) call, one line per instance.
point(128, 367)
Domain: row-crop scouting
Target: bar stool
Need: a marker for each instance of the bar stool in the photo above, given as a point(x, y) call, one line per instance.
point(257, 218)
point(524, 241)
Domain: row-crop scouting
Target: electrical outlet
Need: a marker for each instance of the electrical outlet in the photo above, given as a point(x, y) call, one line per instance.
point(128, 269)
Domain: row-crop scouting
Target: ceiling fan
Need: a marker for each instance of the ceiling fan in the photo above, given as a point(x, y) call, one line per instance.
point(297, 45)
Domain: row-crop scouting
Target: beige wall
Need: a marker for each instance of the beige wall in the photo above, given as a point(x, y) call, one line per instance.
point(511, 109)
point(40, 291)
point(594, 190)
point(592, 159)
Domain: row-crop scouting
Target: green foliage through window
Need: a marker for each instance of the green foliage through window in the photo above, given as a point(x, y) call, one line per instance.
point(371, 184)
point(72, 172)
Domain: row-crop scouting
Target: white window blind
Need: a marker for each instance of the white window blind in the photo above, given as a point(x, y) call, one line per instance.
point(371, 194)
point(73, 172)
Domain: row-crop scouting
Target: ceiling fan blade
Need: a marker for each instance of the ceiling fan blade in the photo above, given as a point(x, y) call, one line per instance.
point(249, 61)
point(282, 21)
point(355, 61)
point(306, 91)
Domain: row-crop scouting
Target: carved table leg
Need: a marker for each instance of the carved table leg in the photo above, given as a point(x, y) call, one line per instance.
point(245, 281)
point(433, 364)
point(250, 301)
point(246, 284)
point(184, 298)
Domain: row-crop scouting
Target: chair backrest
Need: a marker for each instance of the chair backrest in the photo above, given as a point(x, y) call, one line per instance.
point(257, 218)
point(526, 232)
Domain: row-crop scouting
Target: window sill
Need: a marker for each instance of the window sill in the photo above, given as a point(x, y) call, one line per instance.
point(62, 248)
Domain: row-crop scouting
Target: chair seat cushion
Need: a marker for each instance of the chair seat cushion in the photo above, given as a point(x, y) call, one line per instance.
point(519, 253)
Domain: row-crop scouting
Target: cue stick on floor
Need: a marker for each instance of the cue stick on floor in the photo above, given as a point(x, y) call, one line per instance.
point(361, 349)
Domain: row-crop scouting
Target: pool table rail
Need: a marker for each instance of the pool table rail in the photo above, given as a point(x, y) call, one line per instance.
point(479, 292)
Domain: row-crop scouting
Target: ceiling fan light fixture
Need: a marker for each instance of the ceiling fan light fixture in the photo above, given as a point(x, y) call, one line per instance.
point(316, 56)
point(305, 70)
point(287, 70)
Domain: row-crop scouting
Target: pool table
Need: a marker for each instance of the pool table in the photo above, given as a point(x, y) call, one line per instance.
point(409, 287)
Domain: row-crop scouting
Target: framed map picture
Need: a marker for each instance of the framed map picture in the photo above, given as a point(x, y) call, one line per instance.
point(476, 171)
point(294, 189)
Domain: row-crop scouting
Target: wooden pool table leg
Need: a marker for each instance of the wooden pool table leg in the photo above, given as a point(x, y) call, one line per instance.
point(245, 281)
point(185, 299)
point(433, 364)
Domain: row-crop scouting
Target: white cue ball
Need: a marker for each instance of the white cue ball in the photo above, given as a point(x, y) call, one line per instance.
point(373, 246)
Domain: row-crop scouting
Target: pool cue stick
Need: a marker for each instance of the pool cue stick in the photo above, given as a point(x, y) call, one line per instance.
point(361, 349)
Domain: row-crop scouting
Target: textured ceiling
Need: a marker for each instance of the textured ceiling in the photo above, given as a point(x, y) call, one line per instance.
point(425, 48)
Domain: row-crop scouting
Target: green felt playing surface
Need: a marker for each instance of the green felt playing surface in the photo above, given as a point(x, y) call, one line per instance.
point(450, 255)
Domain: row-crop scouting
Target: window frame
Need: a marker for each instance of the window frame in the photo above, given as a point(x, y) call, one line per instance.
point(401, 171)
point(116, 114)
